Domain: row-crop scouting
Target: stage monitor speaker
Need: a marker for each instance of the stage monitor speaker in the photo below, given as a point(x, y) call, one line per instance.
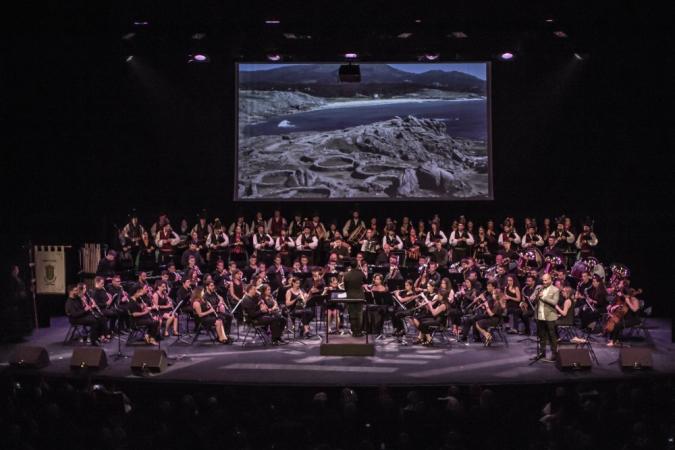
point(574, 359)
point(148, 360)
point(88, 358)
point(29, 357)
point(635, 358)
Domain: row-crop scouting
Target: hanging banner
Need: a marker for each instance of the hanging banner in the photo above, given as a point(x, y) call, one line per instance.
point(50, 269)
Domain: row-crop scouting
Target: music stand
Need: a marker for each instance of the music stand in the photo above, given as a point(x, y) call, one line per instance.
point(341, 297)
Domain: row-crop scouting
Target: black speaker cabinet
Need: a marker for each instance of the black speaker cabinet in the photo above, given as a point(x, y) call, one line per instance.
point(148, 360)
point(573, 359)
point(635, 358)
point(29, 357)
point(88, 358)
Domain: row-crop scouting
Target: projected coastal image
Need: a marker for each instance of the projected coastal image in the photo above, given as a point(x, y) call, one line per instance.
point(405, 131)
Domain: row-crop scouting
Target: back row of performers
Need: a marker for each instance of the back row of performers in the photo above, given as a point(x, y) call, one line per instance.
point(271, 295)
point(205, 242)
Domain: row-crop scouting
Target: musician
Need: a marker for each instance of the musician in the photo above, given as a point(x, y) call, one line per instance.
point(133, 232)
point(531, 238)
point(491, 234)
point(206, 315)
point(433, 313)
point(201, 231)
point(586, 242)
point(285, 246)
point(142, 314)
point(438, 254)
point(259, 314)
point(392, 241)
point(333, 310)
point(422, 231)
point(509, 256)
point(236, 291)
point(370, 246)
point(461, 242)
point(406, 226)
point(80, 313)
point(546, 229)
point(317, 227)
point(166, 241)
point(352, 224)
point(341, 248)
point(435, 235)
point(464, 298)
point(551, 248)
point(508, 235)
point(406, 298)
point(432, 273)
point(475, 312)
point(183, 294)
point(250, 269)
point(376, 312)
point(563, 238)
point(104, 302)
point(218, 304)
point(296, 302)
point(106, 266)
point(592, 302)
point(394, 273)
point(277, 273)
point(241, 224)
point(513, 299)
point(306, 242)
point(257, 221)
point(184, 234)
point(217, 242)
point(162, 303)
point(276, 224)
point(296, 226)
point(192, 252)
point(526, 306)
point(354, 279)
point(145, 258)
point(547, 297)
point(412, 245)
point(120, 301)
point(454, 311)
point(492, 315)
point(584, 284)
point(565, 308)
point(261, 240)
point(623, 314)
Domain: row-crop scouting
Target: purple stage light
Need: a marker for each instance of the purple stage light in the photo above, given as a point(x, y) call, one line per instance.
point(431, 56)
point(274, 57)
point(200, 57)
point(273, 22)
point(506, 56)
point(351, 55)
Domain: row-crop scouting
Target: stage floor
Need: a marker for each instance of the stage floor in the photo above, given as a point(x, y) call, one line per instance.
point(393, 364)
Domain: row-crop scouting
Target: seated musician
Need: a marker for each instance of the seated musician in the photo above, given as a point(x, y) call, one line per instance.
point(464, 298)
point(250, 269)
point(491, 316)
point(475, 312)
point(405, 297)
point(271, 304)
point(238, 243)
point(369, 246)
point(341, 248)
point(192, 251)
point(206, 315)
point(183, 295)
point(257, 221)
point(314, 287)
point(166, 241)
point(454, 311)
point(239, 225)
point(593, 303)
point(333, 309)
point(277, 273)
point(142, 314)
point(218, 303)
point(192, 267)
point(432, 273)
point(361, 264)
point(392, 241)
point(412, 246)
point(107, 265)
point(104, 302)
point(236, 291)
point(433, 312)
point(624, 313)
point(163, 304)
point(296, 226)
point(393, 275)
point(296, 302)
point(376, 312)
point(551, 248)
point(256, 311)
point(438, 254)
point(80, 313)
point(564, 239)
point(202, 230)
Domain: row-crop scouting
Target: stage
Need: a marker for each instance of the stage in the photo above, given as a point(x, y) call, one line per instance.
point(300, 364)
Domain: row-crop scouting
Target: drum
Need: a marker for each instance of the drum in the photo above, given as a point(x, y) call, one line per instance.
point(578, 268)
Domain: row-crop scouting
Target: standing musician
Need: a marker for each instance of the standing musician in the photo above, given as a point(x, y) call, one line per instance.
point(183, 295)
point(531, 238)
point(493, 310)
point(513, 299)
point(276, 224)
point(163, 304)
point(262, 240)
point(547, 297)
point(333, 309)
point(526, 305)
point(563, 238)
point(306, 242)
point(369, 246)
point(412, 246)
point(587, 241)
point(352, 224)
point(461, 242)
point(145, 258)
point(435, 235)
point(258, 220)
point(218, 304)
point(394, 274)
point(296, 302)
point(133, 232)
point(257, 311)
point(217, 242)
point(240, 223)
point(277, 273)
point(376, 312)
point(431, 313)
point(79, 312)
point(166, 241)
point(296, 226)
point(623, 314)
point(142, 314)
point(391, 241)
point(203, 230)
point(206, 315)
point(405, 297)
point(510, 235)
point(317, 227)
point(285, 246)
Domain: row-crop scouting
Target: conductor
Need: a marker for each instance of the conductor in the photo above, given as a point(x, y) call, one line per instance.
point(354, 280)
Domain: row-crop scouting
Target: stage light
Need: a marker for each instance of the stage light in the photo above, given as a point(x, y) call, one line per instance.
point(506, 56)
point(578, 56)
point(141, 23)
point(130, 58)
point(550, 20)
point(198, 36)
point(198, 58)
point(128, 36)
point(274, 57)
point(404, 35)
point(430, 56)
point(459, 35)
point(351, 55)
point(560, 34)
point(418, 20)
point(273, 22)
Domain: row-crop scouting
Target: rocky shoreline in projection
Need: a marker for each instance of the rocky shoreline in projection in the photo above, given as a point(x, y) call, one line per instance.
point(398, 158)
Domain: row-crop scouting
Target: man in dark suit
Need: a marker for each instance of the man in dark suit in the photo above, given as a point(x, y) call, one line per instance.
point(354, 280)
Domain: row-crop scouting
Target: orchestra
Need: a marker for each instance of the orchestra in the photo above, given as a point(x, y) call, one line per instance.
point(468, 275)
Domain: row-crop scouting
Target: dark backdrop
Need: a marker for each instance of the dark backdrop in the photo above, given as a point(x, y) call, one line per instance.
point(96, 136)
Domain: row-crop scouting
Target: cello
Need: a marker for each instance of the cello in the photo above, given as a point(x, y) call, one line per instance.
point(619, 309)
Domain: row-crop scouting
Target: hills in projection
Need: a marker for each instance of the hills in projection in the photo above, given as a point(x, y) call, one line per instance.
point(382, 79)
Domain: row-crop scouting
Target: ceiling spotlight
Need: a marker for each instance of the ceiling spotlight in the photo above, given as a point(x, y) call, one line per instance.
point(198, 36)
point(404, 35)
point(130, 58)
point(351, 55)
point(431, 56)
point(459, 35)
point(129, 36)
point(198, 58)
point(560, 34)
point(418, 20)
point(506, 56)
point(550, 20)
point(273, 21)
point(274, 57)
point(141, 23)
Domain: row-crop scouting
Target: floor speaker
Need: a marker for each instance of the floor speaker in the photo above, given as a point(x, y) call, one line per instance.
point(573, 359)
point(635, 358)
point(88, 358)
point(29, 357)
point(148, 360)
